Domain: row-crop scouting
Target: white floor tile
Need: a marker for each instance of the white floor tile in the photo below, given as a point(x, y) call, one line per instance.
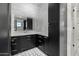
point(31, 52)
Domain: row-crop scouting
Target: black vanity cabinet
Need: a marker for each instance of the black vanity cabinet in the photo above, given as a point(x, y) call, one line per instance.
point(22, 43)
point(15, 45)
point(26, 43)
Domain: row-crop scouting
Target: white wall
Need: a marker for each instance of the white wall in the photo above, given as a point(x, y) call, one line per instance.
point(41, 24)
point(22, 10)
point(39, 13)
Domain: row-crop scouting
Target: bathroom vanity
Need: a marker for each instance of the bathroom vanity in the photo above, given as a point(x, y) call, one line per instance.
point(26, 42)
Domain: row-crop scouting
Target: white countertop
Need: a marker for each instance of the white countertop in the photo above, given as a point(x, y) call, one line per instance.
point(20, 33)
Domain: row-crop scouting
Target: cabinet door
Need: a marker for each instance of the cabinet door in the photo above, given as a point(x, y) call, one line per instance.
point(26, 43)
point(4, 29)
point(15, 45)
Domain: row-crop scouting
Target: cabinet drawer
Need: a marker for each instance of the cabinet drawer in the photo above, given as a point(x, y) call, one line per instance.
point(14, 52)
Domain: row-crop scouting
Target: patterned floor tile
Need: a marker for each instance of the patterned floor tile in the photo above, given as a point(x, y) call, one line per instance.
point(31, 52)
